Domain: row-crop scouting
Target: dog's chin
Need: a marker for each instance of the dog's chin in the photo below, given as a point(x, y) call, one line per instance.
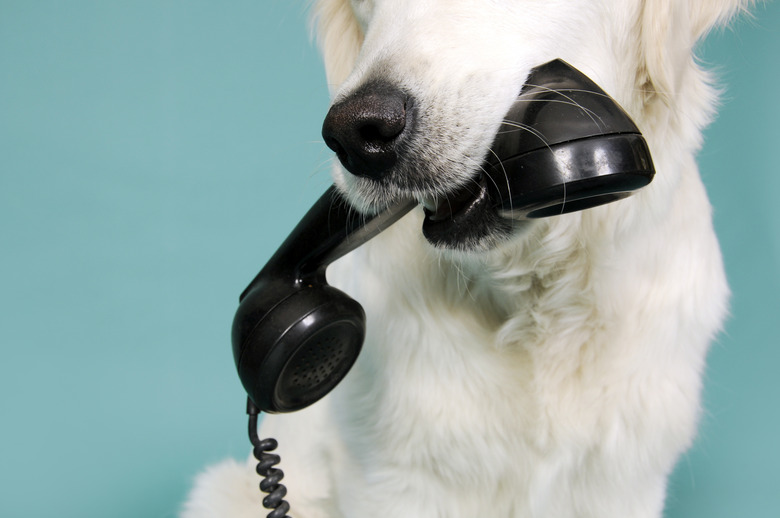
point(465, 220)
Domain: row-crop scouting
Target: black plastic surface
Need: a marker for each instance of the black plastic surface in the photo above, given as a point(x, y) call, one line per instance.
point(565, 145)
point(288, 310)
point(572, 176)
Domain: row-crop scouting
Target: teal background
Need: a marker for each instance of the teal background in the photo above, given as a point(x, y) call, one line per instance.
point(152, 156)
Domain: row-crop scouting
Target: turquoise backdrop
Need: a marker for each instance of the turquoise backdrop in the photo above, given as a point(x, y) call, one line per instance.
point(152, 156)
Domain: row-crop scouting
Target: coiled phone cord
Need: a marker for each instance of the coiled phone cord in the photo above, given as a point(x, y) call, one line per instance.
point(265, 468)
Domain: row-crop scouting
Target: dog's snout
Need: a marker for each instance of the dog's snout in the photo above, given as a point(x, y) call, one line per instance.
point(367, 128)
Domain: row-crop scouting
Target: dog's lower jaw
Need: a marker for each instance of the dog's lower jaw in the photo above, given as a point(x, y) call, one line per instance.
point(473, 231)
point(464, 220)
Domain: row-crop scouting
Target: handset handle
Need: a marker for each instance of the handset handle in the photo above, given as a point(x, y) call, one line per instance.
point(328, 231)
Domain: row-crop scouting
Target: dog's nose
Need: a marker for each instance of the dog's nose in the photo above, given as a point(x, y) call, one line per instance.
point(366, 128)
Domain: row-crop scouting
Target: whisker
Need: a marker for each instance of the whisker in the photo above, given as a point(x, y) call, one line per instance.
point(590, 113)
point(563, 205)
point(547, 88)
point(508, 183)
point(481, 168)
point(524, 127)
point(321, 166)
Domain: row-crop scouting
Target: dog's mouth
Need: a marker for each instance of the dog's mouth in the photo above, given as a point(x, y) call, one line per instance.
point(465, 219)
point(456, 203)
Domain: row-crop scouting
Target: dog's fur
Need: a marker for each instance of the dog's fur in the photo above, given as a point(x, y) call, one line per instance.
point(553, 374)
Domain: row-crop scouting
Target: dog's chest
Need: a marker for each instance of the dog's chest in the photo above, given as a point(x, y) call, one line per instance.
point(432, 392)
point(437, 387)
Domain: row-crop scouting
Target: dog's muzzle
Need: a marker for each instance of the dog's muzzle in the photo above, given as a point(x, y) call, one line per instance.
point(565, 145)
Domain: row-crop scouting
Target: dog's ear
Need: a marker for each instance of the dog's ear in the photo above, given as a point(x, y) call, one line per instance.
point(339, 37)
point(669, 30)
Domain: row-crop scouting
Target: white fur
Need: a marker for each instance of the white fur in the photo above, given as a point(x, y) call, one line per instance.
point(558, 374)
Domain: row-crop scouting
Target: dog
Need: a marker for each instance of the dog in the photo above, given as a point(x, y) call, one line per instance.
point(545, 368)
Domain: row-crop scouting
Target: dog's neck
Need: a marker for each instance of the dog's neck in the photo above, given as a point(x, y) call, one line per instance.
point(495, 285)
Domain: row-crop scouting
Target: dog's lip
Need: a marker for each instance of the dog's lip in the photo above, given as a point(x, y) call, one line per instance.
point(458, 208)
point(450, 206)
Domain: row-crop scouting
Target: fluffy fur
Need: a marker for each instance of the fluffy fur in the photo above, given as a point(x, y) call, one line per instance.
point(554, 374)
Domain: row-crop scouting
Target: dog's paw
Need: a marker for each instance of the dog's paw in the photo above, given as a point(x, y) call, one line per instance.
point(231, 489)
point(226, 490)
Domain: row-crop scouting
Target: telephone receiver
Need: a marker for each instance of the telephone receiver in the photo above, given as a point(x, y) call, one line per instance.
point(294, 336)
point(566, 146)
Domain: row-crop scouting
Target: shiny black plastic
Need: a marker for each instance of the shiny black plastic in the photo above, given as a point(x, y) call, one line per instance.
point(565, 145)
point(294, 336)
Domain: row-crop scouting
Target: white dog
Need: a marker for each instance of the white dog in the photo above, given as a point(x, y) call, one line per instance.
point(550, 370)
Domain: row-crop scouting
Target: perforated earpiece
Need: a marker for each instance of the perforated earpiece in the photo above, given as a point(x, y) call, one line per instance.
point(294, 336)
point(291, 355)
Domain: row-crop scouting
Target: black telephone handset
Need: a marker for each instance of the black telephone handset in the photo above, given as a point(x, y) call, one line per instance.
point(565, 146)
point(294, 336)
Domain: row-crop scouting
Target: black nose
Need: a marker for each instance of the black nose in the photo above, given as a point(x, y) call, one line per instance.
point(366, 128)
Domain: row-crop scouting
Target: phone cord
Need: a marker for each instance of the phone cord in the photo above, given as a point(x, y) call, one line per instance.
point(265, 468)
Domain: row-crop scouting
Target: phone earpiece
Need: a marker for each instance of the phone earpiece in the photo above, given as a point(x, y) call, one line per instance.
point(300, 348)
point(565, 145)
point(294, 336)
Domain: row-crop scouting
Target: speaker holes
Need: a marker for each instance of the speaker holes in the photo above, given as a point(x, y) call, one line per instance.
point(317, 366)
